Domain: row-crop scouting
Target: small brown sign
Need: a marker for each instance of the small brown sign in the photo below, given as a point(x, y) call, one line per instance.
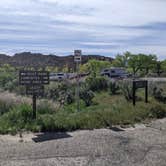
point(37, 90)
point(140, 84)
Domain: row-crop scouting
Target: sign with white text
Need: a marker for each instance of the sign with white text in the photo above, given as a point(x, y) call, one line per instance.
point(33, 77)
point(37, 90)
point(77, 55)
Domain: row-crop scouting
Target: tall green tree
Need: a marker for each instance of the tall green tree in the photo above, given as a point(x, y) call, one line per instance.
point(163, 65)
point(122, 60)
point(94, 67)
point(142, 62)
point(135, 63)
point(148, 62)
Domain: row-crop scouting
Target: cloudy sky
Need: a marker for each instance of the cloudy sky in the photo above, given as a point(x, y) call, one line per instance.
point(105, 27)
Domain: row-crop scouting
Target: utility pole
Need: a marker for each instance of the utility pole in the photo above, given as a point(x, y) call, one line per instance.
point(77, 59)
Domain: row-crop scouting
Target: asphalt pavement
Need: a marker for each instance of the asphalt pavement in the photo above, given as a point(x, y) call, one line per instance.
point(144, 145)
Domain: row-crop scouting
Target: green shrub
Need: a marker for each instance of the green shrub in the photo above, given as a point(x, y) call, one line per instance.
point(45, 106)
point(159, 94)
point(86, 95)
point(113, 87)
point(97, 83)
point(127, 90)
point(5, 78)
point(63, 92)
point(158, 112)
point(69, 97)
point(26, 113)
point(4, 107)
point(110, 110)
point(46, 122)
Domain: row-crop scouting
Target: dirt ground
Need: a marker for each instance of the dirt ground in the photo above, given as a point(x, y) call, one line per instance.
point(139, 146)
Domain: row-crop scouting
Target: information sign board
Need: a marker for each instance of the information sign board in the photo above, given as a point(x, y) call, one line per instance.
point(37, 90)
point(77, 55)
point(34, 82)
point(33, 77)
point(140, 84)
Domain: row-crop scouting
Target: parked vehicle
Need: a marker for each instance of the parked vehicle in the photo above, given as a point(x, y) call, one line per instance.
point(63, 76)
point(115, 72)
point(57, 76)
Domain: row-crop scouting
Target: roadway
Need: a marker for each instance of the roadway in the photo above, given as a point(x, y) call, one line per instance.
point(144, 145)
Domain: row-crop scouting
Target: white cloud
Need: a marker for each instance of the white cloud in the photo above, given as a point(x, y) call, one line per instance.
point(97, 43)
point(115, 12)
point(86, 23)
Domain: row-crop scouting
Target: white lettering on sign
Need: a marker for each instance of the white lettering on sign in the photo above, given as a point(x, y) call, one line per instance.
point(77, 55)
point(33, 77)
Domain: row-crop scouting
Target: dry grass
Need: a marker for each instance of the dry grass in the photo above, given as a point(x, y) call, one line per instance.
point(13, 99)
point(8, 100)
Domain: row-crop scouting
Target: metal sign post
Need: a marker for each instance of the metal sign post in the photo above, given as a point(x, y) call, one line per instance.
point(140, 84)
point(34, 82)
point(77, 59)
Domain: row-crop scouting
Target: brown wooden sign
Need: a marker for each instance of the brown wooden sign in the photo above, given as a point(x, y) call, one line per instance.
point(33, 77)
point(140, 84)
point(37, 90)
point(34, 82)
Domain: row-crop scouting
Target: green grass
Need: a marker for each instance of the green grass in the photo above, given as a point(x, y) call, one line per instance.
point(106, 110)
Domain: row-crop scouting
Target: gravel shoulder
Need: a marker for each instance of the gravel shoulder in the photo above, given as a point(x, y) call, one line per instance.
point(142, 145)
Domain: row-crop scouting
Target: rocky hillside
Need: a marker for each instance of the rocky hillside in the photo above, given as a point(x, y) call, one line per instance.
point(27, 59)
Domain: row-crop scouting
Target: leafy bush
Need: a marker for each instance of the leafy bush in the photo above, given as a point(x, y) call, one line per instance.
point(97, 83)
point(159, 94)
point(69, 97)
point(127, 91)
point(113, 87)
point(64, 121)
point(5, 77)
point(16, 119)
point(45, 106)
point(63, 92)
point(4, 107)
point(86, 95)
point(20, 114)
point(46, 122)
point(158, 112)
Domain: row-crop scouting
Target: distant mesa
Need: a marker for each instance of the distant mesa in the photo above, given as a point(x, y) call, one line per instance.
point(39, 60)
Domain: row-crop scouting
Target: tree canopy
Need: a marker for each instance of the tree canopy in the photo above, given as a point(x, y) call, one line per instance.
point(94, 67)
point(136, 62)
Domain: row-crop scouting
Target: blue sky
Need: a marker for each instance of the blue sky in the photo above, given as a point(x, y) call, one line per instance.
point(104, 27)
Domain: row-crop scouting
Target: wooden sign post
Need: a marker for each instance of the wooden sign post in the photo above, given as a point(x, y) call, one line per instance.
point(140, 84)
point(34, 82)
